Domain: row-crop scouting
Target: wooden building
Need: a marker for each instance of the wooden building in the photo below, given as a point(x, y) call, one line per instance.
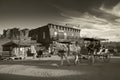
point(18, 48)
point(50, 32)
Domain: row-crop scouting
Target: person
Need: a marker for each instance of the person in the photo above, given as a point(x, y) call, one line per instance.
point(29, 52)
point(33, 51)
point(62, 52)
point(68, 46)
point(21, 52)
point(83, 51)
point(76, 52)
point(40, 52)
point(50, 50)
point(97, 46)
point(90, 47)
point(103, 50)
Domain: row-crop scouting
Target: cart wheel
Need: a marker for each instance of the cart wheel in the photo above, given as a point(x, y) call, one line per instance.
point(91, 59)
point(106, 58)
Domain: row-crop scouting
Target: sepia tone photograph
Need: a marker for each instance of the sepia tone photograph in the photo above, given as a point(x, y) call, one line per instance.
point(59, 40)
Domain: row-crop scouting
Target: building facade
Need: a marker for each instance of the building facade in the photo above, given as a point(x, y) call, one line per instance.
point(50, 32)
point(16, 33)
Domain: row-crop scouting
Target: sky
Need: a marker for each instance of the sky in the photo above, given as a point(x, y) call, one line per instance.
point(96, 18)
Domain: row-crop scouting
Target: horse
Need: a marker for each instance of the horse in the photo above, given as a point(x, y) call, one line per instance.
point(61, 50)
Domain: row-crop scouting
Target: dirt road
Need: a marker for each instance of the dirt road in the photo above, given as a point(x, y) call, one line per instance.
point(48, 69)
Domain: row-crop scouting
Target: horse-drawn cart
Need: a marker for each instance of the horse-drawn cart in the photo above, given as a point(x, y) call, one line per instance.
point(93, 50)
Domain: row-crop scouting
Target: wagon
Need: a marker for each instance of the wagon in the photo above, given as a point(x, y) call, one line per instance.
point(96, 53)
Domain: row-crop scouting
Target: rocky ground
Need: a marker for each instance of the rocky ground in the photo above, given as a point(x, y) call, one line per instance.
point(49, 69)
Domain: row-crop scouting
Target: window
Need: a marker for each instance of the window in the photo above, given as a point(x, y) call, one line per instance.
point(56, 27)
point(73, 30)
point(64, 28)
point(43, 35)
point(60, 27)
point(77, 30)
point(68, 29)
point(52, 26)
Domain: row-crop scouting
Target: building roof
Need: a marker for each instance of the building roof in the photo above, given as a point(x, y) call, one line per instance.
point(68, 26)
point(94, 39)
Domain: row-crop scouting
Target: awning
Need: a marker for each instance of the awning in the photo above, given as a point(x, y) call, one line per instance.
point(20, 43)
point(94, 39)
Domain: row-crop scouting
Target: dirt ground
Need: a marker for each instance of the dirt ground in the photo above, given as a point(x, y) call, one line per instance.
point(49, 69)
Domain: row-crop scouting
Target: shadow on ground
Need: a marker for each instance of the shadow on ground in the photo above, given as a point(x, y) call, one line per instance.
point(99, 71)
point(54, 64)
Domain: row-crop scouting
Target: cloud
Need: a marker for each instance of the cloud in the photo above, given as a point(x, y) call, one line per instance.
point(88, 21)
point(117, 20)
point(112, 35)
point(94, 19)
point(114, 11)
point(96, 25)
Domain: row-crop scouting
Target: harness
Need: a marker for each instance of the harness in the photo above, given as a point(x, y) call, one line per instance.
point(61, 49)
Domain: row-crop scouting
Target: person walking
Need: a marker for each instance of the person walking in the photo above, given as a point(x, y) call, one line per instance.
point(75, 48)
point(91, 52)
point(33, 51)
